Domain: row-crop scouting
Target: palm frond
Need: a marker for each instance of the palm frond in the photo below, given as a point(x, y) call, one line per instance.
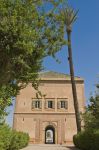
point(69, 15)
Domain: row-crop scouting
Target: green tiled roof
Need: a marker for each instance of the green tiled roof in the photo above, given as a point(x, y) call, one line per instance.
point(52, 74)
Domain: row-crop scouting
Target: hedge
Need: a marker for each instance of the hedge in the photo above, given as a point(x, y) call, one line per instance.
point(19, 140)
point(5, 137)
point(87, 140)
point(12, 140)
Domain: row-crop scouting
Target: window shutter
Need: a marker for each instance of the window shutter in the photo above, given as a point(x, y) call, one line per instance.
point(40, 104)
point(53, 104)
point(33, 104)
point(46, 104)
point(58, 105)
point(66, 104)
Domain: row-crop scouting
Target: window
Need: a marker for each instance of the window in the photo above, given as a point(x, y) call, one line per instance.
point(50, 104)
point(63, 103)
point(37, 104)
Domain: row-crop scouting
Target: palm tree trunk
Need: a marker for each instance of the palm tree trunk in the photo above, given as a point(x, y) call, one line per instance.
point(76, 106)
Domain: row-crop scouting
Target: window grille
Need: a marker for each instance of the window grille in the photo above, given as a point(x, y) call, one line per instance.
point(36, 104)
point(62, 104)
point(50, 104)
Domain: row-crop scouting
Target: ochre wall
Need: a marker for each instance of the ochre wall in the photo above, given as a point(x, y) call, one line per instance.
point(34, 122)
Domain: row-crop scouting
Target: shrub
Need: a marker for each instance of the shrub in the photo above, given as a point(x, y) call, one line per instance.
point(87, 140)
point(96, 140)
point(12, 140)
point(5, 137)
point(19, 140)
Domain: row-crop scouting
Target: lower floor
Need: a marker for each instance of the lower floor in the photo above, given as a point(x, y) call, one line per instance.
point(47, 128)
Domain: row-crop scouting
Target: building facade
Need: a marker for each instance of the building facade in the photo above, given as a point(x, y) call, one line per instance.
point(50, 119)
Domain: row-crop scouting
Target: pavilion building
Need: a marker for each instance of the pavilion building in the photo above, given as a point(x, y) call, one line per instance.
point(50, 119)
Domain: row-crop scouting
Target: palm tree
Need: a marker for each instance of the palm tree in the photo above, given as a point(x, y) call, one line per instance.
point(69, 16)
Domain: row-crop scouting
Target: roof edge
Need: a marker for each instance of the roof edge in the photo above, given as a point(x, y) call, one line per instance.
point(51, 75)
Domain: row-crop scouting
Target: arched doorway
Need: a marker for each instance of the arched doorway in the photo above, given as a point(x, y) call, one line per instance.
point(50, 135)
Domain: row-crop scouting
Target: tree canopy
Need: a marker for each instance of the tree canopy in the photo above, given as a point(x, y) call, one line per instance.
point(28, 33)
point(91, 115)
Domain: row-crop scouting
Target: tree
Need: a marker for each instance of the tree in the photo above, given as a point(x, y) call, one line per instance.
point(69, 15)
point(28, 34)
point(91, 116)
point(6, 93)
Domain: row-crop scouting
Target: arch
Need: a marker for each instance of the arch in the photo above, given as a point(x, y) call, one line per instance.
point(49, 135)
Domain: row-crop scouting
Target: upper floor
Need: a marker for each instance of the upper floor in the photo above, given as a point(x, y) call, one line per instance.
point(57, 95)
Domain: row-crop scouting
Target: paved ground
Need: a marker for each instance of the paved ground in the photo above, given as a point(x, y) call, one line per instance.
point(48, 147)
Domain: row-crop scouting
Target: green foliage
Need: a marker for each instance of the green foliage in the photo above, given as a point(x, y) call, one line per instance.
point(94, 106)
point(5, 137)
point(19, 140)
point(12, 140)
point(91, 116)
point(6, 93)
point(28, 34)
point(68, 15)
point(87, 140)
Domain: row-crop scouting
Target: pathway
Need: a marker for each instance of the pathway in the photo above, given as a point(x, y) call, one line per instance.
point(47, 147)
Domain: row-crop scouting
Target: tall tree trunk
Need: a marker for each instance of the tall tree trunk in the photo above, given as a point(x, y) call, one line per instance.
point(76, 106)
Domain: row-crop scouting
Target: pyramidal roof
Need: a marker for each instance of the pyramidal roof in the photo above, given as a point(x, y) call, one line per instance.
point(56, 76)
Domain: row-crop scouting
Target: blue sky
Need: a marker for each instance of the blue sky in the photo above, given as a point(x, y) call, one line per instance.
point(85, 46)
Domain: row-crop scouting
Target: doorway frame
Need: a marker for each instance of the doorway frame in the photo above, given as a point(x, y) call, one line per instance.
point(50, 127)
